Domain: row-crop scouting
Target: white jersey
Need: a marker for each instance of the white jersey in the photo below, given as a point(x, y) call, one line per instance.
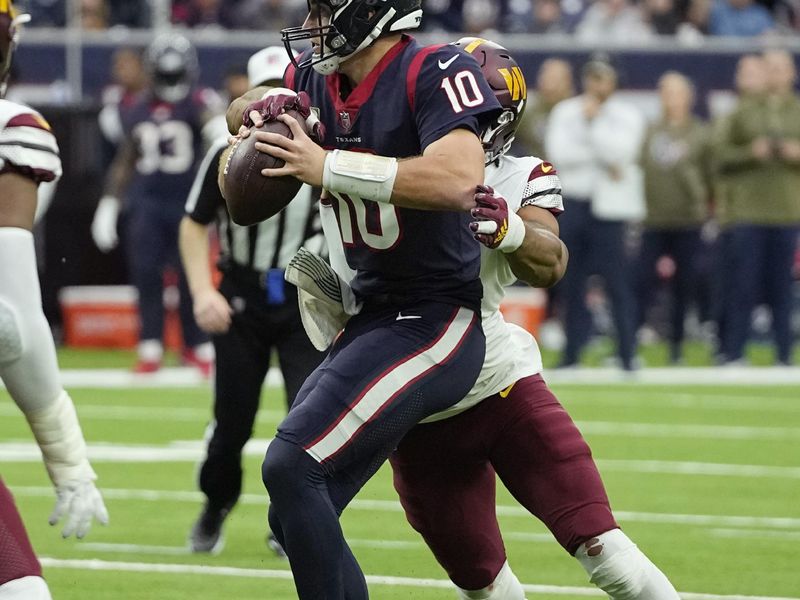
point(511, 352)
point(27, 146)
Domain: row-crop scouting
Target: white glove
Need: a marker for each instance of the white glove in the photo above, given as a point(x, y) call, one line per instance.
point(326, 301)
point(80, 501)
point(104, 224)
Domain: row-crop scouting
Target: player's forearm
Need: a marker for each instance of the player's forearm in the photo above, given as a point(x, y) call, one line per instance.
point(193, 243)
point(541, 260)
point(120, 172)
point(235, 113)
point(444, 177)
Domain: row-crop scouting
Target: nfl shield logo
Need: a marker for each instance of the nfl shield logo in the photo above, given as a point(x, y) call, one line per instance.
point(344, 120)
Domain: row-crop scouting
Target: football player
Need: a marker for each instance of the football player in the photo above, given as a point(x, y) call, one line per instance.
point(511, 425)
point(28, 368)
point(153, 171)
point(416, 346)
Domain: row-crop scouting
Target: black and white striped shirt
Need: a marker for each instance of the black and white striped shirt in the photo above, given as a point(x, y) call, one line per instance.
point(268, 245)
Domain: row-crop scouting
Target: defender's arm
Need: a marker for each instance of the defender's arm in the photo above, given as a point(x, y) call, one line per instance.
point(541, 260)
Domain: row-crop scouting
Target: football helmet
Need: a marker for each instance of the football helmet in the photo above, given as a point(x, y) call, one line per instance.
point(508, 83)
point(345, 27)
point(171, 62)
point(10, 20)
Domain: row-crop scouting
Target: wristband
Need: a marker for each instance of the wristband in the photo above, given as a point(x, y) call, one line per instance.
point(515, 234)
point(366, 176)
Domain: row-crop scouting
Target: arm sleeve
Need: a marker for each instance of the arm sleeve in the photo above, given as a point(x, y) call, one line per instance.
point(450, 92)
point(29, 148)
point(205, 198)
point(543, 189)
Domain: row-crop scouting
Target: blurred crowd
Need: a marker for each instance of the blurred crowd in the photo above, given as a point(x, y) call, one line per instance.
point(677, 215)
point(622, 21)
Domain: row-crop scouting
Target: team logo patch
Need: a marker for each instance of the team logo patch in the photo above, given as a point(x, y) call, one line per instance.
point(505, 392)
point(515, 81)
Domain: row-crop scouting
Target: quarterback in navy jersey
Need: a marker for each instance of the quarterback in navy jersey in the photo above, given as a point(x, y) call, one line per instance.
point(415, 346)
point(153, 172)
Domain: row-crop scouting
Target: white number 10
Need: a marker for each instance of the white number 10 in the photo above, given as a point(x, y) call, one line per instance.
point(458, 94)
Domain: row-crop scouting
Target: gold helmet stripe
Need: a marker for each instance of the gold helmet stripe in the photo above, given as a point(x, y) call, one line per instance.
point(470, 47)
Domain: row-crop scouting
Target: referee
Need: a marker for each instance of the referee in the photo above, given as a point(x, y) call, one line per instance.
point(253, 311)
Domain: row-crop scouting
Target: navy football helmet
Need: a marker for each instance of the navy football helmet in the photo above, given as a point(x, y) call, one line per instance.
point(171, 62)
point(508, 83)
point(345, 27)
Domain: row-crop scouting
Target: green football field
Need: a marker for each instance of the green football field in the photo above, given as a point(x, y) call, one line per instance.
point(706, 479)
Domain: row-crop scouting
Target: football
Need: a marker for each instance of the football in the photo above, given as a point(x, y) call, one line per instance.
point(251, 197)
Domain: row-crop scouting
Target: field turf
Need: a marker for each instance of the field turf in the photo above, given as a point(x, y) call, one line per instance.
point(706, 479)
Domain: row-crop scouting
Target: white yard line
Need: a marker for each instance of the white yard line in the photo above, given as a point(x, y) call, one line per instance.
point(194, 451)
point(705, 432)
point(379, 580)
point(792, 536)
point(780, 523)
point(188, 377)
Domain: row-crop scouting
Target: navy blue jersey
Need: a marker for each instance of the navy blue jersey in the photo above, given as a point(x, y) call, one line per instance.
point(168, 139)
point(414, 96)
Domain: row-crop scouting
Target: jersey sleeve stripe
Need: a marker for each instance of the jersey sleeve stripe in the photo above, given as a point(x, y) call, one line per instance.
point(28, 120)
point(29, 137)
point(28, 146)
point(413, 72)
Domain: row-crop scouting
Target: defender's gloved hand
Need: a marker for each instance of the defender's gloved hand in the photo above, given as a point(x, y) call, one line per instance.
point(495, 226)
point(279, 100)
point(80, 501)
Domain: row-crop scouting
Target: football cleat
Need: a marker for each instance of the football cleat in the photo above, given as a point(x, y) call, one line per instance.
point(206, 534)
point(190, 358)
point(146, 366)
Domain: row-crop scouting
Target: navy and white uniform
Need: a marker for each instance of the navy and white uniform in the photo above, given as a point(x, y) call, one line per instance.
point(168, 140)
point(416, 347)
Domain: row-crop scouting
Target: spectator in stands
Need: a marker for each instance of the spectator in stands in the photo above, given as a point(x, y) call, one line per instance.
point(269, 14)
point(615, 21)
point(554, 83)
point(129, 13)
point(481, 16)
point(742, 18)
point(548, 17)
point(758, 154)
point(677, 192)
point(443, 15)
point(47, 13)
point(203, 13)
point(663, 16)
point(94, 15)
point(595, 139)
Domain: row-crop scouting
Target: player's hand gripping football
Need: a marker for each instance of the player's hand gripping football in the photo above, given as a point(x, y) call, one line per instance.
point(79, 501)
point(495, 226)
point(304, 159)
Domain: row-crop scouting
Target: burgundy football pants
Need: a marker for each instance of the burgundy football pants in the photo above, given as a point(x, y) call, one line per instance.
point(445, 475)
point(17, 559)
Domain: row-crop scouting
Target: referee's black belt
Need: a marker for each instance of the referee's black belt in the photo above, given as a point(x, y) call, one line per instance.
point(242, 275)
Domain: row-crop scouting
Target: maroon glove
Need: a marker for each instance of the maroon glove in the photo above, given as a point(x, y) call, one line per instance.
point(491, 217)
point(271, 107)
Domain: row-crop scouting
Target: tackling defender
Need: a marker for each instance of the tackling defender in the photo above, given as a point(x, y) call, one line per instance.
point(28, 368)
point(416, 347)
point(512, 425)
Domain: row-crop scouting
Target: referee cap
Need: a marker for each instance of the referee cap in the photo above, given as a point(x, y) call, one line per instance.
point(268, 64)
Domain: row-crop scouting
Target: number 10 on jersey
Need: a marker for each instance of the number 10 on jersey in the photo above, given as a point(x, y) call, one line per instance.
point(376, 223)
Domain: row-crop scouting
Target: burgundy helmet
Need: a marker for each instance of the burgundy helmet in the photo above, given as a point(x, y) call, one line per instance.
point(10, 20)
point(506, 79)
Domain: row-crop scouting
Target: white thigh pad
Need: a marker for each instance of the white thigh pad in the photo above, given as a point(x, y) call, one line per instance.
point(25, 588)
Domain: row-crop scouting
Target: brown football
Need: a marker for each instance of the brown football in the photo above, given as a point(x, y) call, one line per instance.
point(251, 197)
